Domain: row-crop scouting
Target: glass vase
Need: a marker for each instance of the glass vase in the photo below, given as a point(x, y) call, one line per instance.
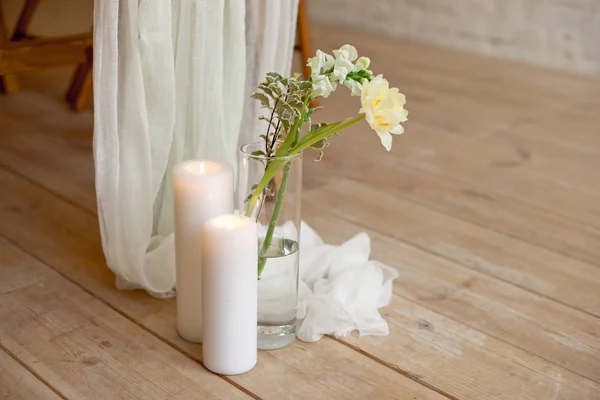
point(276, 209)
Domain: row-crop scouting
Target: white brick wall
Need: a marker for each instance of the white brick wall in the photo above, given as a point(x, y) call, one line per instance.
point(563, 34)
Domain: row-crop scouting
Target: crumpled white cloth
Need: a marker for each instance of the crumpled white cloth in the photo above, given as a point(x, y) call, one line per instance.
point(340, 289)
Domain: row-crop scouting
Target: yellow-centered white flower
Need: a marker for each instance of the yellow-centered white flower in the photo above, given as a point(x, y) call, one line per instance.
point(383, 108)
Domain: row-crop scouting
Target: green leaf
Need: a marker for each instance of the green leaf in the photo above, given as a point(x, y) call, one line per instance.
point(258, 153)
point(284, 107)
point(303, 85)
point(274, 75)
point(321, 144)
point(268, 119)
point(264, 100)
point(267, 90)
point(314, 127)
point(319, 156)
point(276, 88)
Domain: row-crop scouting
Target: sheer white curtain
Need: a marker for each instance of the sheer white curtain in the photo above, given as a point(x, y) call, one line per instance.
point(170, 82)
point(270, 38)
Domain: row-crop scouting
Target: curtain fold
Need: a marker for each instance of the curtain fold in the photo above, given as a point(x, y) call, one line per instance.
point(171, 79)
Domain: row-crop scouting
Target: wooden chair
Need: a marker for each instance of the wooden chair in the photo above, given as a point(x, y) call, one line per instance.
point(20, 51)
point(23, 51)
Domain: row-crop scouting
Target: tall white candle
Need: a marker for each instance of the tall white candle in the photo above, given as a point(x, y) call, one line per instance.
point(229, 294)
point(201, 190)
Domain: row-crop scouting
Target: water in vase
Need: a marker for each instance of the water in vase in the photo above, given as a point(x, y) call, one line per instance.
point(278, 295)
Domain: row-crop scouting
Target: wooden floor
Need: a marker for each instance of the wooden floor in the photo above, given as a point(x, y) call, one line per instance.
point(489, 208)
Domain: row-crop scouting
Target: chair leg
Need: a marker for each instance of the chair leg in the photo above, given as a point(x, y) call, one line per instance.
point(24, 20)
point(304, 33)
point(80, 89)
point(8, 83)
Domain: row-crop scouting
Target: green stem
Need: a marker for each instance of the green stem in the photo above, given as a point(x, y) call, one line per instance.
point(275, 164)
point(320, 134)
point(270, 172)
point(285, 150)
point(262, 260)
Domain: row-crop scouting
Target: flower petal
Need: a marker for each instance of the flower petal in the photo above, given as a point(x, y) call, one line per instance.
point(362, 63)
point(398, 130)
point(403, 114)
point(349, 51)
point(386, 140)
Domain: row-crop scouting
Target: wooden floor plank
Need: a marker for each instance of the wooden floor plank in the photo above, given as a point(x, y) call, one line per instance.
point(536, 324)
point(17, 383)
point(472, 165)
point(470, 203)
point(86, 350)
point(562, 278)
point(563, 167)
point(58, 159)
point(67, 239)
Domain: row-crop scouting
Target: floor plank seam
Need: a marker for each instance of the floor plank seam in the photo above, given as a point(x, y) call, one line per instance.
point(509, 235)
point(456, 181)
point(518, 347)
point(397, 369)
point(458, 263)
point(35, 183)
point(109, 305)
point(32, 372)
point(450, 318)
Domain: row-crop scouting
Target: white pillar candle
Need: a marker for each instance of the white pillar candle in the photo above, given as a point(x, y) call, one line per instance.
point(201, 190)
point(229, 294)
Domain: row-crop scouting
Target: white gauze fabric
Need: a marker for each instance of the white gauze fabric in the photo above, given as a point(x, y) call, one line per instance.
point(168, 86)
point(340, 289)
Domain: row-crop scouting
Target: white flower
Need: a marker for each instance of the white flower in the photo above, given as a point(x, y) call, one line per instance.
point(356, 87)
point(320, 61)
point(341, 68)
point(361, 64)
point(383, 108)
point(347, 52)
point(329, 60)
point(322, 86)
